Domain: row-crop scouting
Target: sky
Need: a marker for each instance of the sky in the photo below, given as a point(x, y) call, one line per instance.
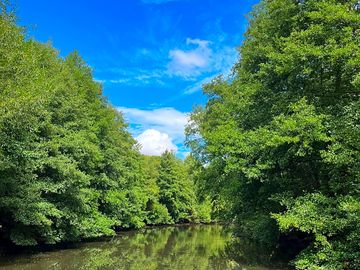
point(151, 56)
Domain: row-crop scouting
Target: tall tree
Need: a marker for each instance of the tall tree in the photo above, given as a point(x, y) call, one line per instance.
point(282, 132)
point(68, 166)
point(176, 189)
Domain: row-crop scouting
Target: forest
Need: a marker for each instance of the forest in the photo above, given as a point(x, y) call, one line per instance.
point(275, 151)
point(281, 137)
point(69, 169)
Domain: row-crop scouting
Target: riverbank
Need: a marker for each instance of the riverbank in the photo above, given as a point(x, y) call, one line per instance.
point(9, 248)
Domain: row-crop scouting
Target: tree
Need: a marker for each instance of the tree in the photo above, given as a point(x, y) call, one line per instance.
point(68, 166)
point(281, 134)
point(176, 189)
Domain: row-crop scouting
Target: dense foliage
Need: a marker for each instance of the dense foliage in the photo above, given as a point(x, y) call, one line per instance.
point(69, 169)
point(281, 137)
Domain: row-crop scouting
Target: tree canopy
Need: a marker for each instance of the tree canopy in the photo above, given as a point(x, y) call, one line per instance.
point(281, 136)
point(69, 168)
point(276, 148)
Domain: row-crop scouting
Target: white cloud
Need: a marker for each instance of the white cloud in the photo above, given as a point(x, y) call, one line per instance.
point(207, 60)
point(154, 143)
point(166, 120)
point(196, 61)
point(221, 63)
point(197, 86)
point(191, 59)
point(190, 63)
point(153, 128)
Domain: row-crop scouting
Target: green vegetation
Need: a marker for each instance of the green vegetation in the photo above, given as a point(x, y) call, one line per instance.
point(69, 169)
point(280, 139)
point(276, 149)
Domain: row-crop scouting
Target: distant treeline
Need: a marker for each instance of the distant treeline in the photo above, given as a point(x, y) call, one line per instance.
point(280, 139)
point(69, 169)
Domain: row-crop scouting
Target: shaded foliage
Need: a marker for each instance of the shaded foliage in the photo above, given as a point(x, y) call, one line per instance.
point(281, 137)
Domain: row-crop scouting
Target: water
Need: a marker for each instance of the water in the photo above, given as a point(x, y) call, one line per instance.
point(171, 248)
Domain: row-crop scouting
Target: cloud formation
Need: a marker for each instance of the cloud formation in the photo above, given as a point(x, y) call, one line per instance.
point(166, 120)
point(197, 86)
point(153, 128)
point(189, 63)
point(194, 63)
point(154, 143)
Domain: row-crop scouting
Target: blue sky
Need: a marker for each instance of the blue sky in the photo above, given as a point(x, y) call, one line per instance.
point(152, 56)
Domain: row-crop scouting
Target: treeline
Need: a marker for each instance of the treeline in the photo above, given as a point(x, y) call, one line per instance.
point(69, 169)
point(280, 139)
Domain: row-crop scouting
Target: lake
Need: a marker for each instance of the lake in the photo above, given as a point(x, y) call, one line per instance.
point(171, 248)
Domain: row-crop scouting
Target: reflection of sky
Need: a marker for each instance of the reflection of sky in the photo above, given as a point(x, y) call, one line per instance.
point(152, 56)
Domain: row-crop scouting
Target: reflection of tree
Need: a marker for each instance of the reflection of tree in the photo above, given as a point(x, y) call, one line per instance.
point(189, 247)
point(167, 248)
point(248, 253)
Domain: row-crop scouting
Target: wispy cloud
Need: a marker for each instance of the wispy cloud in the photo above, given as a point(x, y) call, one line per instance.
point(119, 81)
point(207, 60)
point(221, 63)
point(135, 77)
point(190, 62)
point(197, 86)
point(194, 60)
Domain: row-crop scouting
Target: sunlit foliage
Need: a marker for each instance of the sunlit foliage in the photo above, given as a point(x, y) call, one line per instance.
point(281, 136)
point(69, 169)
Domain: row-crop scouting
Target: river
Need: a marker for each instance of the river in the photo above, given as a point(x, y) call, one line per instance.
point(171, 248)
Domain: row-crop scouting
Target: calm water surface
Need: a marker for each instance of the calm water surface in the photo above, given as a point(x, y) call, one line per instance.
point(171, 248)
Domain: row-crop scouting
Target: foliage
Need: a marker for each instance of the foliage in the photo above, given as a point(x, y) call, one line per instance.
point(176, 189)
point(69, 169)
point(280, 138)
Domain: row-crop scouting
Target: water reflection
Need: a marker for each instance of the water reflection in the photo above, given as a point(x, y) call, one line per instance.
point(186, 247)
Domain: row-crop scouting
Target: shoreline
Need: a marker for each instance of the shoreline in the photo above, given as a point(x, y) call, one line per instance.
point(11, 249)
